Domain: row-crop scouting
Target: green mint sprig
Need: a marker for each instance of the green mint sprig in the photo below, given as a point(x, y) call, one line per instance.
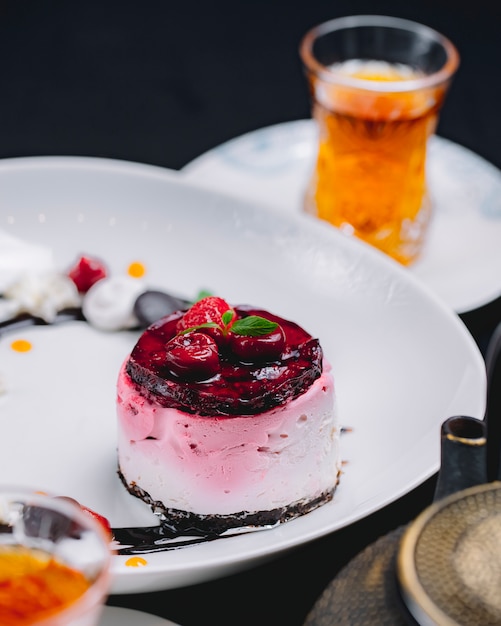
point(251, 326)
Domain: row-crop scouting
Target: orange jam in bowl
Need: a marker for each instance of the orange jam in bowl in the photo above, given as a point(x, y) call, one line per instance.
point(54, 562)
point(34, 586)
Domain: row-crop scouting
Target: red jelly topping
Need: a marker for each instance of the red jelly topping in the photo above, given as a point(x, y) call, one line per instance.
point(247, 381)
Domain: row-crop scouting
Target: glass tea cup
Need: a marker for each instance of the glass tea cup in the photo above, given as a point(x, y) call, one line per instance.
point(377, 85)
point(54, 561)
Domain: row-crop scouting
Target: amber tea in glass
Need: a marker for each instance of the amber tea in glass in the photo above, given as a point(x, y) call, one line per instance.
point(377, 85)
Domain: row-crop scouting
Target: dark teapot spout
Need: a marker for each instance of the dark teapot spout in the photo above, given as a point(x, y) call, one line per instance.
point(463, 450)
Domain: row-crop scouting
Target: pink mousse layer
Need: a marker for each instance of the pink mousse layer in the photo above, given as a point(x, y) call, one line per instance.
point(217, 465)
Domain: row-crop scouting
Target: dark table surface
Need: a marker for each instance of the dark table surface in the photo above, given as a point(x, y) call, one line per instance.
point(162, 82)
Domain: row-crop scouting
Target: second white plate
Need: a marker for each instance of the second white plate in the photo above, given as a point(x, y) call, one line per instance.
point(116, 616)
point(462, 257)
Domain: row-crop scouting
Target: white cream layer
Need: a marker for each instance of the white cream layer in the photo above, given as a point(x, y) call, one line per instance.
point(214, 465)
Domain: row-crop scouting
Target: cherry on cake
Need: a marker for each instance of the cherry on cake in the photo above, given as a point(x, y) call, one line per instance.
point(227, 419)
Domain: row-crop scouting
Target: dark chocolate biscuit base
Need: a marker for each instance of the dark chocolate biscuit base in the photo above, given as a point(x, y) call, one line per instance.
point(185, 522)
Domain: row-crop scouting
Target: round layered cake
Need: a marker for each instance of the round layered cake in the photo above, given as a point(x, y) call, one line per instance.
point(226, 419)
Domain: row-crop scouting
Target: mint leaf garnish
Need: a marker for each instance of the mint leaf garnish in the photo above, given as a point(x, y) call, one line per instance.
point(253, 326)
point(204, 325)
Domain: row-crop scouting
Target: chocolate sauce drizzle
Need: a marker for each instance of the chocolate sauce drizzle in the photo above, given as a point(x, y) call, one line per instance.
point(149, 539)
point(24, 320)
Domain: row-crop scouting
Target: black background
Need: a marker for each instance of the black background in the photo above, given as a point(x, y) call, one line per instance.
point(161, 83)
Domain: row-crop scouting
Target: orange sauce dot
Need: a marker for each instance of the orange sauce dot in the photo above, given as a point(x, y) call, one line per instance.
point(136, 270)
point(21, 345)
point(136, 561)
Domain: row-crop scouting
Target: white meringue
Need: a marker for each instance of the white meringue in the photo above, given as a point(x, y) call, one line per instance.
point(42, 294)
point(109, 303)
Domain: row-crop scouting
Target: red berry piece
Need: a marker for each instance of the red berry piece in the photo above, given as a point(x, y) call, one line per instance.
point(100, 518)
point(258, 349)
point(97, 516)
point(207, 310)
point(86, 272)
point(192, 356)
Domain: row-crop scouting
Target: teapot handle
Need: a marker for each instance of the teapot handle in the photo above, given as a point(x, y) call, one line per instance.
point(463, 449)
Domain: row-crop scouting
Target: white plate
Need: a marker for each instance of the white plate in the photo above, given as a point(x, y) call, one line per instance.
point(116, 616)
point(403, 362)
point(462, 256)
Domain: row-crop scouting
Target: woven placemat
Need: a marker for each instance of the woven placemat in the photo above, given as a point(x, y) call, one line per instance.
point(364, 593)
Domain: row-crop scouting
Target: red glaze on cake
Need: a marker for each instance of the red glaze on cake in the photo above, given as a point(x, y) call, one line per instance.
point(226, 418)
